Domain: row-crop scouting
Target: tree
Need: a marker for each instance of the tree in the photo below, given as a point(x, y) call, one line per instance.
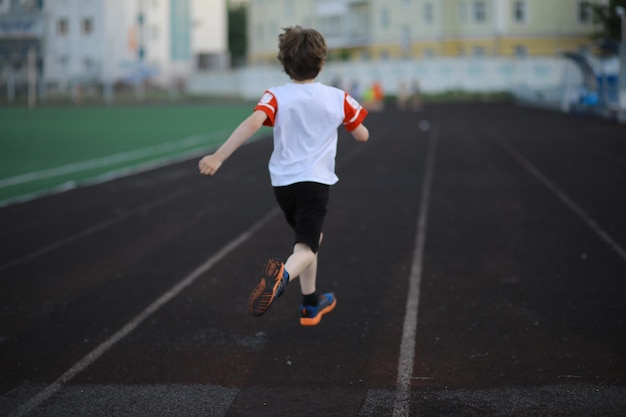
point(237, 33)
point(610, 33)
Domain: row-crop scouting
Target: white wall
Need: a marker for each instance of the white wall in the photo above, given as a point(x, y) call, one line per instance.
point(209, 34)
point(118, 21)
point(435, 75)
point(108, 46)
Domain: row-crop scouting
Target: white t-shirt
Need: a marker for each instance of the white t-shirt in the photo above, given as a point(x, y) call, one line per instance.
point(305, 118)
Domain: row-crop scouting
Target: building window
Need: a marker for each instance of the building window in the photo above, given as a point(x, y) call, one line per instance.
point(480, 11)
point(63, 27)
point(520, 12)
point(360, 25)
point(154, 33)
point(289, 9)
point(478, 51)
point(463, 11)
point(584, 12)
point(331, 25)
point(63, 61)
point(87, 26)
point(273, 27)
point(429, 14)
point(406, 40)
point(384, 18)
point(88, 64)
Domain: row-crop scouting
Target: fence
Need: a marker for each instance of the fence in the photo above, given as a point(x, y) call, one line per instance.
point(538, 79)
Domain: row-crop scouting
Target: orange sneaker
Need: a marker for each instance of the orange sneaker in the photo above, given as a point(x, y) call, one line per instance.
point(270, 287)
point(311, 315)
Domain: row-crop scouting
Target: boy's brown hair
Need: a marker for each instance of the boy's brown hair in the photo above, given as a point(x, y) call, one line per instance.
point(302, 52)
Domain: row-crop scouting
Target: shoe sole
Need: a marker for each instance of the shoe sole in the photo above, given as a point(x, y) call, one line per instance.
point(264, 293)
point(313, 321)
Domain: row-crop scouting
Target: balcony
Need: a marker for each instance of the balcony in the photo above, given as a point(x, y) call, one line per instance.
point(345, 24)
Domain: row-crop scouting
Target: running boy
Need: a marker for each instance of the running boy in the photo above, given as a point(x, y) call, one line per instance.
point(305, 116)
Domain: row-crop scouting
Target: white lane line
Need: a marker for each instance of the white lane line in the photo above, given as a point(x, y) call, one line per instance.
point(164, 148)
point(409, 329)
point(535, 172)
point(92, 356)
point(104, 224)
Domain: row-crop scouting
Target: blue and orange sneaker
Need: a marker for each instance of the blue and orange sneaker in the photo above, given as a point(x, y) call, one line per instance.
point(311, 315)
point(270, 287)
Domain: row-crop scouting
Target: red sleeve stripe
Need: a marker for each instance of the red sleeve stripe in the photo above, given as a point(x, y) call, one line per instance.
point(356, 116)
point(265, 105)
point(268, 105)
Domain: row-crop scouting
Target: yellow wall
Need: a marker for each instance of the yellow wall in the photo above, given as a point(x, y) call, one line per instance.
point(505, 46)
point(465, 47)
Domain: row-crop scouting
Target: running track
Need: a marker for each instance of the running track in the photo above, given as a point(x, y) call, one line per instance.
point(479, 265)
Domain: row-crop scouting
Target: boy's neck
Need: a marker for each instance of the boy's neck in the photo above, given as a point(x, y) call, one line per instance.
point(303, 81)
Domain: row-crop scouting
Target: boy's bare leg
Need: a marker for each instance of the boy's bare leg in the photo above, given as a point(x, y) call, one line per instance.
point(308, 278)
point(301, 264)
point(300, 260)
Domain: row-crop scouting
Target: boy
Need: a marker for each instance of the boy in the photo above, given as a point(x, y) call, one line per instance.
point(305, 116)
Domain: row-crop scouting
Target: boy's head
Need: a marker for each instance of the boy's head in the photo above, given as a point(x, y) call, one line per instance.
point(302, 52)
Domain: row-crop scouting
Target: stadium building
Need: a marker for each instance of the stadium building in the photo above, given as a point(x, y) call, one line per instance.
point(396, 29)
point(66, 44)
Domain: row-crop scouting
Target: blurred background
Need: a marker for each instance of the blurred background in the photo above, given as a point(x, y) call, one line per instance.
point(558, 53)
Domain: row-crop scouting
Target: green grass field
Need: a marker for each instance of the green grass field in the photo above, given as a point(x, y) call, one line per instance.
point(48, 149)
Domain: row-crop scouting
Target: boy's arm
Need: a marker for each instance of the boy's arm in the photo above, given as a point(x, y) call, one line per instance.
point(211, 163)
point(354, 114)
point(360, 133)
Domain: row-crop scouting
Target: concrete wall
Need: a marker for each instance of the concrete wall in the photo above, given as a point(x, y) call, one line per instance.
point(530, 76)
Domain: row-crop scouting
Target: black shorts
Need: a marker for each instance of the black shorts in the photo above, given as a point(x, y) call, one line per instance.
point(304, 206)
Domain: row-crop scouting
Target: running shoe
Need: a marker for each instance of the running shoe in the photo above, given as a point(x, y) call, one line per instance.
point(311, 315)
point(270, 287)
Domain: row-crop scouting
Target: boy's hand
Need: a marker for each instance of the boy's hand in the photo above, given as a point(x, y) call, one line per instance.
point(209, 164)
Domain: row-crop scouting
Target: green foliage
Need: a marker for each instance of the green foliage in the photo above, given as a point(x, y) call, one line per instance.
point(237, 33)
point(606, 15)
